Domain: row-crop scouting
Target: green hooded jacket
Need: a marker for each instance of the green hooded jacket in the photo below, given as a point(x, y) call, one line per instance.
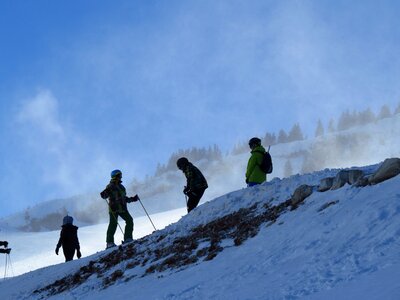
point(253, 172)
point(116, 194)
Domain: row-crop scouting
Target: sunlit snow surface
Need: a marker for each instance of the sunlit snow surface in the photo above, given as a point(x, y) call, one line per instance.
point(35, 250)
point(350, 250)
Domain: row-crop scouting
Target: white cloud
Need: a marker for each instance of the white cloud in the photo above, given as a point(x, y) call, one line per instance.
point(67, 162)
point(42, 113)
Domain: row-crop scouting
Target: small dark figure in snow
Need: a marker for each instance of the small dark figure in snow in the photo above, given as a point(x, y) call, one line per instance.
point(196, 183)
point(69, 239)
point(117, 206)
point(6, 250)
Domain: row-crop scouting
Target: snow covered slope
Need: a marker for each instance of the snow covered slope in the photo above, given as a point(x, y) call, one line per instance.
point(248, 244)
point(31, 251)
point(361, 145)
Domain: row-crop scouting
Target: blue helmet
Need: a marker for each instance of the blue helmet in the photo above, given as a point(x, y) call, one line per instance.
point(115, 173)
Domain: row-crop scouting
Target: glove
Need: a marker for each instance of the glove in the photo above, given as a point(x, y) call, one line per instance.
point(134, 198)
point(57, 250)
point(78, 253)
point(186, 190)
point(103, 194)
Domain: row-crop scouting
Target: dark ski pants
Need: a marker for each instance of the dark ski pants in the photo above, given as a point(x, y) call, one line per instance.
point(112, 226)
point(194, 199)
point(68, 253)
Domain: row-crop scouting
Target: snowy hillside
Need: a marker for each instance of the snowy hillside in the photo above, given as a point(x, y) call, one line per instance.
point(306, 236)
point(360, 145)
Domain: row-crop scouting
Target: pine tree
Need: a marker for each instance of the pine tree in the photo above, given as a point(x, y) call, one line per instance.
point(385, 112)
point(331, 126)
point(397, 111)
point(27, 215)
point(344, 121)
point(320, 129)
point(282, 137)
point(295, 133)
point(269, 139)
point(240, 148)
point(365, 117)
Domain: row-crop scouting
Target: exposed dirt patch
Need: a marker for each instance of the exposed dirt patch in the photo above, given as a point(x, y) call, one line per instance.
point(181, 253)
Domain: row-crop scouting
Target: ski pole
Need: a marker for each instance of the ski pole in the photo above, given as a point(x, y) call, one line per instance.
point(186, 198)
point(5, 268)
point(10, 264)
point(147, 213)
point(114, 217)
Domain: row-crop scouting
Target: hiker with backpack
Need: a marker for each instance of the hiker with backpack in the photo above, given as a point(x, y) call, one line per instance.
point(69, 239)
point(115, 192)
point(196, 183)
point(259, 163)
point(5, 250)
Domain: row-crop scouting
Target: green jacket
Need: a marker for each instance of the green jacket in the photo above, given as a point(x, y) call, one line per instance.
point(195, 179)
point(116, 194)
point(253, 172)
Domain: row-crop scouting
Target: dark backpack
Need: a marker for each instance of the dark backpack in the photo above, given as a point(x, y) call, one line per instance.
point(266, 163)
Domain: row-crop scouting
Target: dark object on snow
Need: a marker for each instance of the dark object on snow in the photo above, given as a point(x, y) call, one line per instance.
point(325, 184)
point(301, 193)
point(69, 239)
point(6, 250)
point(196, 183)
point(342, 177)
point(346, 177)
point(389, 168)
point(326, 205)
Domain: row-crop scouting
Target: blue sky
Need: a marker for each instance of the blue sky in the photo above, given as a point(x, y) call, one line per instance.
point(89, 86)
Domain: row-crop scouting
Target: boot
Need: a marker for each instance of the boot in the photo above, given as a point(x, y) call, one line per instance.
point(110, 245)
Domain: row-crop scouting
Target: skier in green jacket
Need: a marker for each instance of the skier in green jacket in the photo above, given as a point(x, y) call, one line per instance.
point(196, 183)
point(254, 174)
point(116, 193)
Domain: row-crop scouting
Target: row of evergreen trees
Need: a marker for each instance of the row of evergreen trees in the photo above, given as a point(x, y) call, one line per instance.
point(194, 154)
point(346, 120)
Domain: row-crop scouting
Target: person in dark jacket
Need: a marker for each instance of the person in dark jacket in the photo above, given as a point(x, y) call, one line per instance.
point(196, 183)
point(69, 239)
point(254, 174)
point(6, 250)
point(116, 194)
